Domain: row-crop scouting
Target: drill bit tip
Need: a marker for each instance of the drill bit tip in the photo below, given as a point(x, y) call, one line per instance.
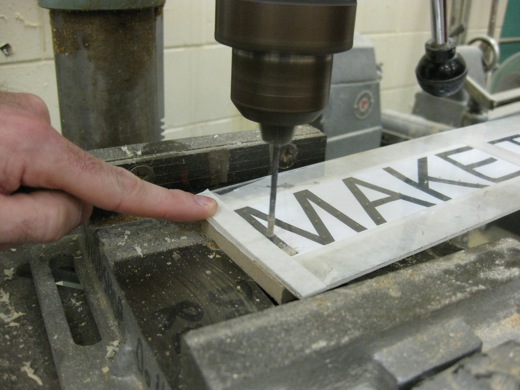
point(275, 164)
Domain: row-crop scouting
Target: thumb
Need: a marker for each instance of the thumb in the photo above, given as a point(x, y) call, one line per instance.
point(41, 216)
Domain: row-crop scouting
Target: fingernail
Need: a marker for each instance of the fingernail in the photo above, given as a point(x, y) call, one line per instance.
point(205, 201)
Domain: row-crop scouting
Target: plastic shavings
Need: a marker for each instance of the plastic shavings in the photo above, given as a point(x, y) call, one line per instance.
point(30, 373)
point(9, 273)
point(138, 250)
point(112, 349)
point(126, 150)
point(11, 314)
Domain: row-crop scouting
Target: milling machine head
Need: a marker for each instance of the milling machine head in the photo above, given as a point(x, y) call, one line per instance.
point(282, 58)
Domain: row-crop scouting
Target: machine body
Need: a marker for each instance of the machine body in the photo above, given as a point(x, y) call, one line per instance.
point(139, 303)
point(282, 58)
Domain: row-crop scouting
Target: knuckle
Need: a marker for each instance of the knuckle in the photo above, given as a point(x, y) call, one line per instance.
point(35, 104)
point(128, 187)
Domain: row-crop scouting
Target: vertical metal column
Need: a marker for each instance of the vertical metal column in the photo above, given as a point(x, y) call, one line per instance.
point(107, 64)
point(438, 14)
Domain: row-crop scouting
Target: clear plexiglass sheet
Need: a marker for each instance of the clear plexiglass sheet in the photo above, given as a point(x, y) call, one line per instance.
point(343, 218)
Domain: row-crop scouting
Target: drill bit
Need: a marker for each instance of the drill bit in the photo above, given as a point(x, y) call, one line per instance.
point(276, 136)
point(275, 164)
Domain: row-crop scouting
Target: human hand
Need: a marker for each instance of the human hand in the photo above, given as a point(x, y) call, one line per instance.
point(69, 181)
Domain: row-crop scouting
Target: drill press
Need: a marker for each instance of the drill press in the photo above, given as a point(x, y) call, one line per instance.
point(282, 63)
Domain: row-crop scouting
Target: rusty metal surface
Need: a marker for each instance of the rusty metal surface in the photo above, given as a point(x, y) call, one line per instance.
point(25, 354)
point(161, 280)
point(311, 27)
point(198, 163)
point(106, 67)
point(93, 5)
point(379, 333)
point(349, 334)
point(171, 279)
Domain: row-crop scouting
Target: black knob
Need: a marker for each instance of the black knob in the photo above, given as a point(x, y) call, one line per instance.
point(441, 71)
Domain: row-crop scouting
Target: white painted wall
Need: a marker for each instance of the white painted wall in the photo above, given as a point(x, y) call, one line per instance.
point(197, 69)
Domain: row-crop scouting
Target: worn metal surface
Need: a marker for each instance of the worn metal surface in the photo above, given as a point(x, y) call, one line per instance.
point(106, 67)
point(345, 338)
point(282, 63)
point(410, 359)
point(337, 340)
point(162, 280)
point(270, 27)
point(25, 354)
point(352, 119)
point(97, 5)
point(195, 164)
point(498, 368)
point(115, 310)
point(96, 359)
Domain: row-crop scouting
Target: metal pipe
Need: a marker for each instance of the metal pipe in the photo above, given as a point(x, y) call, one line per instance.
point(410, 126)
point(493, 18)
point(508, 40)
point(486, 101)
point(439, 32)
point(109, 78)
point(459, 19)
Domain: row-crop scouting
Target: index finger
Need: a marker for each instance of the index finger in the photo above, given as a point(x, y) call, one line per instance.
point(63, 165)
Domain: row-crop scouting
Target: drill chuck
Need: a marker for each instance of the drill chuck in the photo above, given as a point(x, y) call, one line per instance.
point(280, 89)
point(282, 57)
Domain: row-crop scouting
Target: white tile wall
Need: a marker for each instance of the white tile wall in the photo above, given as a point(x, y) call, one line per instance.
point(189, 23)
point(200, 77)
point(197, 69)
point(21, 25)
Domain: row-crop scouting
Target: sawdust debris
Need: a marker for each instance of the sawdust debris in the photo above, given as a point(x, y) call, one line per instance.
point(127, 151)
point(138, 250)
point(112, 349)
point(30, 373)
point(9, 273)
point(125, 237)
point(26, 23)
point(10, 314)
